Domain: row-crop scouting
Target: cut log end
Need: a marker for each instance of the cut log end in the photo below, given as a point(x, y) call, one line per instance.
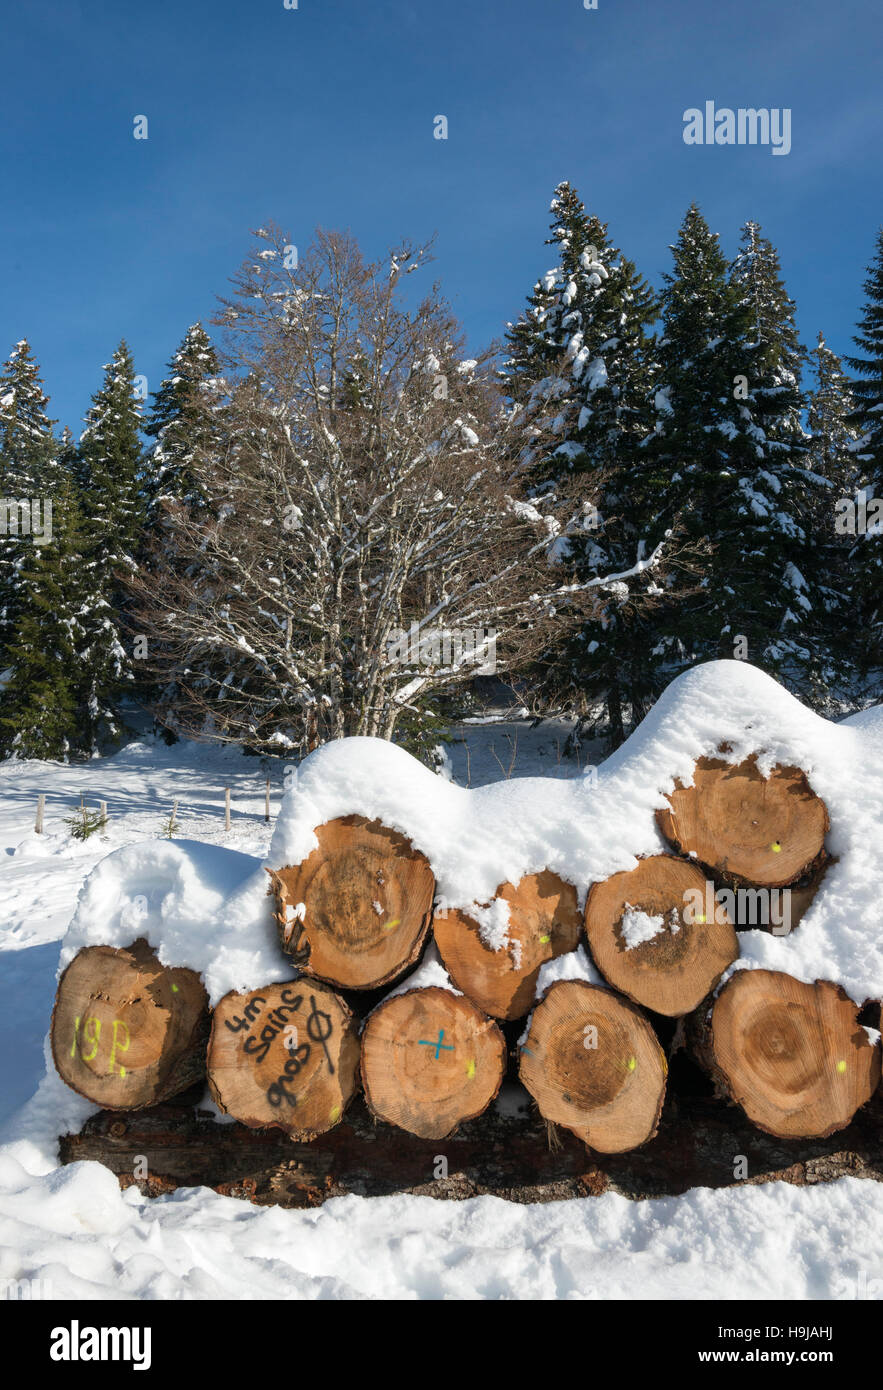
point(793, 1055)
point(593, 1064)
point(544, 922)
point(355, 913)
point(128, 1032)
point(430, 1061)
point(284, 1057)
point(761, 830)
point(652, 939)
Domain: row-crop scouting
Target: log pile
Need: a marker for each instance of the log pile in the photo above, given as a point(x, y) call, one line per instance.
point(593, 1055)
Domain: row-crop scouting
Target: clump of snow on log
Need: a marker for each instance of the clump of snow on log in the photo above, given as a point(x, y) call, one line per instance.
point(729, 781)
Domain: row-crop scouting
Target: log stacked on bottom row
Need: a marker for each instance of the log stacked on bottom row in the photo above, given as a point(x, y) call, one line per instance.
point(356, 914)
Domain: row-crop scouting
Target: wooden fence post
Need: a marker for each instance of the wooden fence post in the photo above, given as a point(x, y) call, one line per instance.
point(41, 803)
point(226, 808)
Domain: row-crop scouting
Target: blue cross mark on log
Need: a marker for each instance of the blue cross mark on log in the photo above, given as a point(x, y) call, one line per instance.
point(439, 1046)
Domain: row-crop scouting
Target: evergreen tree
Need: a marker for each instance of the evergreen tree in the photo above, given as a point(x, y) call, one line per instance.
point(179, 423)
point(777, 397)
point(581, 357)
point(110, 453)
point(27, 455)
point(110, 449)
point(832, 428)
point(726, 436)
point(867, 555)
point(186, 422)
point(833, 480)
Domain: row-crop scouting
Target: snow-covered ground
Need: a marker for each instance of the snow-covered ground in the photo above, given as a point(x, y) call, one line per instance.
point(75, 1231)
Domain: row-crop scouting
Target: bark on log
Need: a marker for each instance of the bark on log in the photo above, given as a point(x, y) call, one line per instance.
point(356, 911)
point(593, 1064)
point(430, 1060)
point(544, 922)
point(505, 1153)
point(284, 1057)
point(792, 1055)
point(763, 831)
point(127, 1031)
point(674, 970)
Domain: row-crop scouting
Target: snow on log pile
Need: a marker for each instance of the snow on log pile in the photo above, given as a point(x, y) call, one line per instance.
point(658, 886)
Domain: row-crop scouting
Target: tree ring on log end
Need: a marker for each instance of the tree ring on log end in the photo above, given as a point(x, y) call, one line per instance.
point(126, 1031)
point(593, 1064)
point(430, 1060)
point(762, 830)
point(674, 968)
point(544, 922)
point(793, 1055)
point(284, 1057)
point(356, 912)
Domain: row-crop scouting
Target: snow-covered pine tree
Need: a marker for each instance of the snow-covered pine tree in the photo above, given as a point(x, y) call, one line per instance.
point(27, 454)
point(833, 476)
point(725, 438)
point(778, 406)
point(777, 397)
point(185, 426)
point(581, 357)
point(110, 453)
point(178, 423)
point(110, 448)
point(867, 558)
point(832, 428)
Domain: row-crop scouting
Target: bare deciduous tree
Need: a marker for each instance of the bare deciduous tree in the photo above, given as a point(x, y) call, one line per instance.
point(365, 480)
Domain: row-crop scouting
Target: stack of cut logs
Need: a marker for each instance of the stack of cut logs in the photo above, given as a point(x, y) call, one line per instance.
point(356, 915)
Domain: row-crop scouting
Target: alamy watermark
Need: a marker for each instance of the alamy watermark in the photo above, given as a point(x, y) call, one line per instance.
point(743, 907)
point(444, 648)
point(745, 126)
point(27, 516)
point(25, 1290)
point(859, 515)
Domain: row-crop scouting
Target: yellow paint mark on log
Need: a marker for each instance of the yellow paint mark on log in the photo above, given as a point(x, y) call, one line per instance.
point(388, 926)
point(544, 939)
point(174, 989)
point(335, 1114)
point(776, 847)
point(841, 1067)
point(632, 1063)
point(470, 1069)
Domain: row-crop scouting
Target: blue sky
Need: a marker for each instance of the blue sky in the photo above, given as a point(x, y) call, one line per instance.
point(324, 115)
